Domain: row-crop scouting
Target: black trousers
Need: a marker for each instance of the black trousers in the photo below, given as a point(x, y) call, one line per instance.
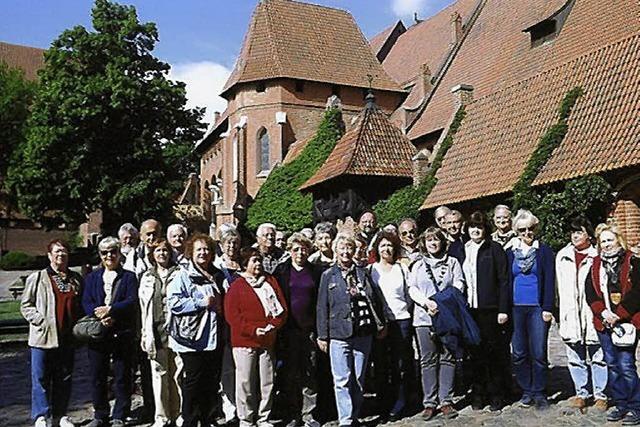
point(488, 362)
point(200, 386)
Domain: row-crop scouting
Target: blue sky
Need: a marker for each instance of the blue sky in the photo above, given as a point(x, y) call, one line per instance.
point(199, 38)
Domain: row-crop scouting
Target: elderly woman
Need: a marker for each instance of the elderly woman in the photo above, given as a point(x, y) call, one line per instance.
point(349, 314)
point(531, 263)
point(502, 220)
point(51, 305)
point(613, 293)
point(431, 274)
point(325, 232)
point(487, 279)
point(299, 280)
point(111, 294)
point(176, 236)
point(194, 301)
point(255, 309)
point(584, 354)
point(393, 354)
point(154, 340)
point(229, 261)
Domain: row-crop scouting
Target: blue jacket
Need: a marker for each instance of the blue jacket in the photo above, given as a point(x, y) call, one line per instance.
point(333, 315)
point(453, 323)
point(124, 304)
point(545, 259)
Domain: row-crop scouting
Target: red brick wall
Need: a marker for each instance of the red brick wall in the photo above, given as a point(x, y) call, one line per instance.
point(33, 242)
point(627, 216)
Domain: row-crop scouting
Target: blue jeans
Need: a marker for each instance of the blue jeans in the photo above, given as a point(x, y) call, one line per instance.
point(349, 359)
point(624, 385)
point(579, 370)
point(529, 344)
point(51, 380)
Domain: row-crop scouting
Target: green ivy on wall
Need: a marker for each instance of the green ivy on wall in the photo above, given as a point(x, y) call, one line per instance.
point(279, 201)
point(406, 202)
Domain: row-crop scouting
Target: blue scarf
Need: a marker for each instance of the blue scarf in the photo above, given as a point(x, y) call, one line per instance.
point(525, 262)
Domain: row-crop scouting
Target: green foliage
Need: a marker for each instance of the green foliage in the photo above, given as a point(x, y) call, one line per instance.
point(406, 202)
point(108, 130)
point(16, 260)
point(523, 193)
point(279, 201)
point(10, 310)
point(16, 95)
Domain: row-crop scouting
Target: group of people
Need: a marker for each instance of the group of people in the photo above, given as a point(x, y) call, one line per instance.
point(220, 327)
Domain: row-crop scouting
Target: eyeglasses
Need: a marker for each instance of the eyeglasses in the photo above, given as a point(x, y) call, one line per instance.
point(110, 251)
point(407, 232)
point(524, 229)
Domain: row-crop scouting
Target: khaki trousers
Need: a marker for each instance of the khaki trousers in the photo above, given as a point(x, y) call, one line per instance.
point(254, 384)
point(165, 389)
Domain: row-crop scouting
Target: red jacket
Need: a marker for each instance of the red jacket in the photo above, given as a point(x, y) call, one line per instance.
point(244, 314)
point(629, 308)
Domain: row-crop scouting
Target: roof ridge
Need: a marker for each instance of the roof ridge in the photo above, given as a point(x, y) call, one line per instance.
point(23, 46)
point(558, 66)
point(303, 3)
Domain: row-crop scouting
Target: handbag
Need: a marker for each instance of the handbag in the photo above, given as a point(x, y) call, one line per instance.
point(622, 334)
point(90, 329)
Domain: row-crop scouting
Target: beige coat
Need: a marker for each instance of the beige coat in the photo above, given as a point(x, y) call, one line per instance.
point(38, 307)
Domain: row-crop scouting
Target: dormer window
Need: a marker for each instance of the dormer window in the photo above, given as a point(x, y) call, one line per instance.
point(548, 29)
point(260, 87)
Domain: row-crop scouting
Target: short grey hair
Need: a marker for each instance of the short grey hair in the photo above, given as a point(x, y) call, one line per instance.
point(173, 227)
point(501, 208)
point(308, 232)
point(228, 234)
point(326, 227)
point(524, 215)
point(343, 238)
point(127, 227)
point(299, 239)
point(108, 243)
point(444, 209)
point(263, 227)
point(410, 221)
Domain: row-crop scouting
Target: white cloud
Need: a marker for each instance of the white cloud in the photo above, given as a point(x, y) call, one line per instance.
point(406, 8)
point(204, 82)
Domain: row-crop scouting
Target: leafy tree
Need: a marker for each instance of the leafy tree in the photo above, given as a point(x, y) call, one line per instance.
point(279, 201)
point(108, 129)
point(16, 95)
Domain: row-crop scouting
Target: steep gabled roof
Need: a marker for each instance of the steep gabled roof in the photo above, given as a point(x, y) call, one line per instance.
point(29, 59)
point(497, 52)
point(425, 43)
point(373, 147)
point(290, 39)
point(501, 131)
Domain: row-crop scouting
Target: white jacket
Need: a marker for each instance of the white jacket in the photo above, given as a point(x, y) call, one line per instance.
point(576, 318)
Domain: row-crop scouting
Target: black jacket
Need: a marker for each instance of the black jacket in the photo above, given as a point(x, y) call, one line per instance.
point(492, 272)
point(283, 276)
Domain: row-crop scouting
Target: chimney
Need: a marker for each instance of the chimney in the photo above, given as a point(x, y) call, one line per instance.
point(463, 94)
point(216, 116)
point(426, 78)
point(456, 28)
point(420, 165)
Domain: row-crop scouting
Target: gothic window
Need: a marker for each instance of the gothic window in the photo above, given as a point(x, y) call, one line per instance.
point(263, 150)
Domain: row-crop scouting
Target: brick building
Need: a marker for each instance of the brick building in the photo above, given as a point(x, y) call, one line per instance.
point(511, 64)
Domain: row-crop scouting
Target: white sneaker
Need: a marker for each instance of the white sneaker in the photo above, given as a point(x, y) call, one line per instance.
point(41, 422)
point(66, 422)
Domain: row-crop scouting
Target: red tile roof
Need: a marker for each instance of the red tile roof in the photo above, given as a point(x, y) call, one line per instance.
point(497, 53)
point(378, 41)
point(29, 59)
point(427, 42)
point(373, 147)
point(501, 131)
point(303, 41)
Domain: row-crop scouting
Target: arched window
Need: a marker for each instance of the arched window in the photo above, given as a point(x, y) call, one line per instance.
point(263, 150)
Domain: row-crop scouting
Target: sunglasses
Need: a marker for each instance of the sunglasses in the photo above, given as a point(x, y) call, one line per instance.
point(407, 232)
point(110, 251)
point(523, 229)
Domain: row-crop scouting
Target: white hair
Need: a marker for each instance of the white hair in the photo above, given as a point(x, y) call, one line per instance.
point(108, 243)
point(127, 227)
point(501, 208)
point(525, 216)
point(343, 238)
point(444, 209)
point(263, 227)
point(174, 227)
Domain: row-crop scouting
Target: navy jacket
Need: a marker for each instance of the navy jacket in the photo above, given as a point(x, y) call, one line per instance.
point(333, 315)
point(124, 304)
point(453, 323)
point(283, 276)
point(546, 276)
point(456, 248)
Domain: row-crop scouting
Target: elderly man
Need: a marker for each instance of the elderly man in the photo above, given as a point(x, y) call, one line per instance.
point(266, 244)
point(129, 238)
point(454, 223)
point(440, 216)
point(138, 261)
point(176, 236)
point(502, 220)
point(408, 233)
point(368, 226)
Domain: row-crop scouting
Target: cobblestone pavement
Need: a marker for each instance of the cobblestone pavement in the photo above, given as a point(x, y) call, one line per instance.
point(15, 396)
